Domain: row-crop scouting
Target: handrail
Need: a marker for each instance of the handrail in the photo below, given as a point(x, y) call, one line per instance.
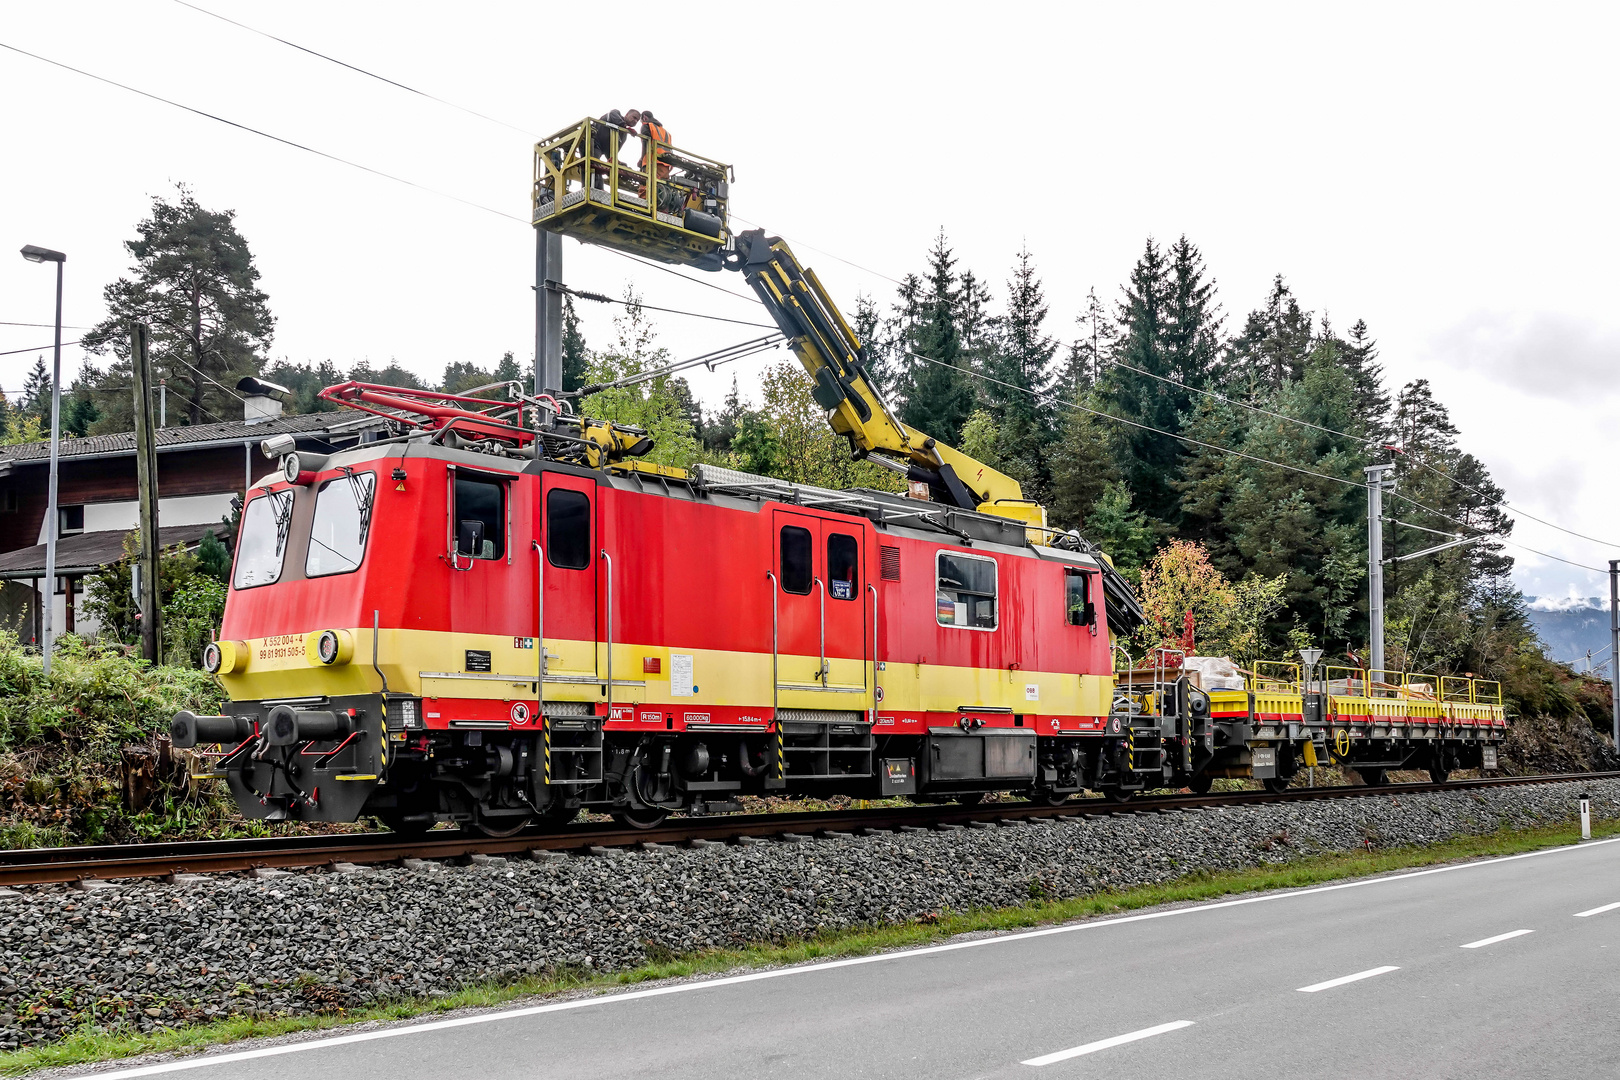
point(1262, 679)
point(609, 560)
point(871, 687)
point(822, 674)
point(776, 652)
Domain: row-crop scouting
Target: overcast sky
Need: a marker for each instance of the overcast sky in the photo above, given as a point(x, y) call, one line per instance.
point(1443, 171)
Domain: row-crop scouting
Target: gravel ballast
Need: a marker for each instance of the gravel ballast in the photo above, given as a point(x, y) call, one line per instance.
point(151, 954)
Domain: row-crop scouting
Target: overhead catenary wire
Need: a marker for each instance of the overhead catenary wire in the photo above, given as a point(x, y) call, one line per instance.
point(357, 69)
point(488, 209)
point(37, 348)
point(1054, 399)
point(710, 360)
point(601, 299)
point(263, 134)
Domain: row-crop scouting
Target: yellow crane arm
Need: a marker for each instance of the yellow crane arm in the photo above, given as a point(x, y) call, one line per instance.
point(836, 361)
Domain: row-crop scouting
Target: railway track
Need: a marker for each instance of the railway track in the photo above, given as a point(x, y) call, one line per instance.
point(40, 866)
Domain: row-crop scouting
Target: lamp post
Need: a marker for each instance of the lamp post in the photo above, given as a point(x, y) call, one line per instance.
point(43, 255)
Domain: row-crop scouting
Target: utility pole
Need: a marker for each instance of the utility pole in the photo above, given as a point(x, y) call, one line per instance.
point(548, 317)
point(1375, 565)
point(147, 481)
point(1614, 644)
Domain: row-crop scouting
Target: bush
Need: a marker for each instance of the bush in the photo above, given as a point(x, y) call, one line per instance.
point(85, 756)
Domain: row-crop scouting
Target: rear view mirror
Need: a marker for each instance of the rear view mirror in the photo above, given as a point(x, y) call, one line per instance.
point(470, 539)
point(1088, 614)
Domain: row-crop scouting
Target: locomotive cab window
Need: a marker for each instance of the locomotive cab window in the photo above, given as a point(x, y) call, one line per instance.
point(568, 529)
point(337, 536)
point(1077, 598)
point(966, 594)
point(797, 552)
point(843, 567)
point(479, 523)
point(261, 541)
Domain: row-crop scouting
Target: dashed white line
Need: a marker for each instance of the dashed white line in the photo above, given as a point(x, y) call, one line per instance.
point(208, 1060)
point(1104, 1044)
point(1482, 942)
point(1595, 911)
point(1342, 979)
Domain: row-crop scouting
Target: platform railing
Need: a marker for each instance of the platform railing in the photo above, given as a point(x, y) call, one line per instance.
point(1275, 675)
point(585, 157)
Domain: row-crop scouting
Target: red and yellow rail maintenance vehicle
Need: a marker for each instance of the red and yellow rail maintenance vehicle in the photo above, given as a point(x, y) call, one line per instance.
point(498, 613)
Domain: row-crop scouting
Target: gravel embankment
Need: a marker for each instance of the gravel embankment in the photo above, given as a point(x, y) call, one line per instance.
point(155, 954)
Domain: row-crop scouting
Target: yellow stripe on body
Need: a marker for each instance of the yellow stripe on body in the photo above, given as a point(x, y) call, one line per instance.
point(429, 664)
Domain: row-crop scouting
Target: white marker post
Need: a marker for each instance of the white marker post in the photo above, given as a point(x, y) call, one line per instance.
point(1586, 817)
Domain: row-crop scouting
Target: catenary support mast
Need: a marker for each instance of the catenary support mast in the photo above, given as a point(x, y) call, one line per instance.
point(548, 317)
point(1375, 565)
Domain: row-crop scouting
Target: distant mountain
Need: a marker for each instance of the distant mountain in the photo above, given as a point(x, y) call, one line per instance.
point(1569, 626)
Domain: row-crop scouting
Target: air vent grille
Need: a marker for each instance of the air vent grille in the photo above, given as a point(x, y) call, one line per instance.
point(889, 561)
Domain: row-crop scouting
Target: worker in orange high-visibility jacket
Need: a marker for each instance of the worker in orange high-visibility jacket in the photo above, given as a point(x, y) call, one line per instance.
point(654, 136)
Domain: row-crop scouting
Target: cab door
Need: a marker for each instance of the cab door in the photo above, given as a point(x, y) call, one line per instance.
point(569, 541)
point(821, 613)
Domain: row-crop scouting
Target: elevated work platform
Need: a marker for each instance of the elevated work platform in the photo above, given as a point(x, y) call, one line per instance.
point(670, 206)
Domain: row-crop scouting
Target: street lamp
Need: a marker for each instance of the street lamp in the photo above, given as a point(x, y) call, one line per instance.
point(43, 255)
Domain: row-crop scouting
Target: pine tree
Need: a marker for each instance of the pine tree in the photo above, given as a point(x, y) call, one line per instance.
point(196, 286)
point(1273, 347)
point(36, 395)
point(868, 326)
point(1019, 370)
point(574, 358)
point(1151, 461)
point(1359, 355)
point(1090, 351)
point(1082, 464)
point(1192, 332)
point(939, 394)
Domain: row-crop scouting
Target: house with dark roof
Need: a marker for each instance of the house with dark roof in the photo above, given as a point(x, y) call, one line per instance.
point(201, 469)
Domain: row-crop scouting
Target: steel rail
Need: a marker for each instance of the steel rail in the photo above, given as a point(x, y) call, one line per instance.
point(42, 866)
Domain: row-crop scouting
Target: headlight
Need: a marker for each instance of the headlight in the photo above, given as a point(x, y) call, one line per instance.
point(329, 647)
point(225, 657)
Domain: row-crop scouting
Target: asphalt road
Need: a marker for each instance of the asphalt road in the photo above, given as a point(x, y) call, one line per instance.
point(1488, 969)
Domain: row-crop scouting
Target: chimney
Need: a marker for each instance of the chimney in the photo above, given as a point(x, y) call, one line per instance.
point(261, 399)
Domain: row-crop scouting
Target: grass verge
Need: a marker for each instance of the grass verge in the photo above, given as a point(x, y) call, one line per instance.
point(95, 1044)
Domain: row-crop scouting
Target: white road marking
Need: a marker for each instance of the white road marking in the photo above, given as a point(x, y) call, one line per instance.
point(1595, 911)
point(1493, 940)
point(205, 1059)
point(1104, 1044)
point(1342, 979)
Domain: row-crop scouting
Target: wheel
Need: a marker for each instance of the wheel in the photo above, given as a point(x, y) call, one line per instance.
point(640, 818)
point(499, 828)
point(1275, 784)
point(1041, 797)
point(1373, 777)
point(1438, 775)
point(1118, 794)
point(1200, 784)
point(969, 798)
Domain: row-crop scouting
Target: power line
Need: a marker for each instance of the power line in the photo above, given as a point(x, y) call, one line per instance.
point(358, 70)
point(1249, 457)
point(601, 299)
point(264, 134)
point(37, 348)
point(43, 325)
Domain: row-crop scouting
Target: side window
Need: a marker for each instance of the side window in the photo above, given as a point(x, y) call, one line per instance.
point(1077, 598)
point(843, 567)
point(797, 547)
point(967, 592)
point(479, 523)
point(568, 529)
point(261, 540)
point(337, 536)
